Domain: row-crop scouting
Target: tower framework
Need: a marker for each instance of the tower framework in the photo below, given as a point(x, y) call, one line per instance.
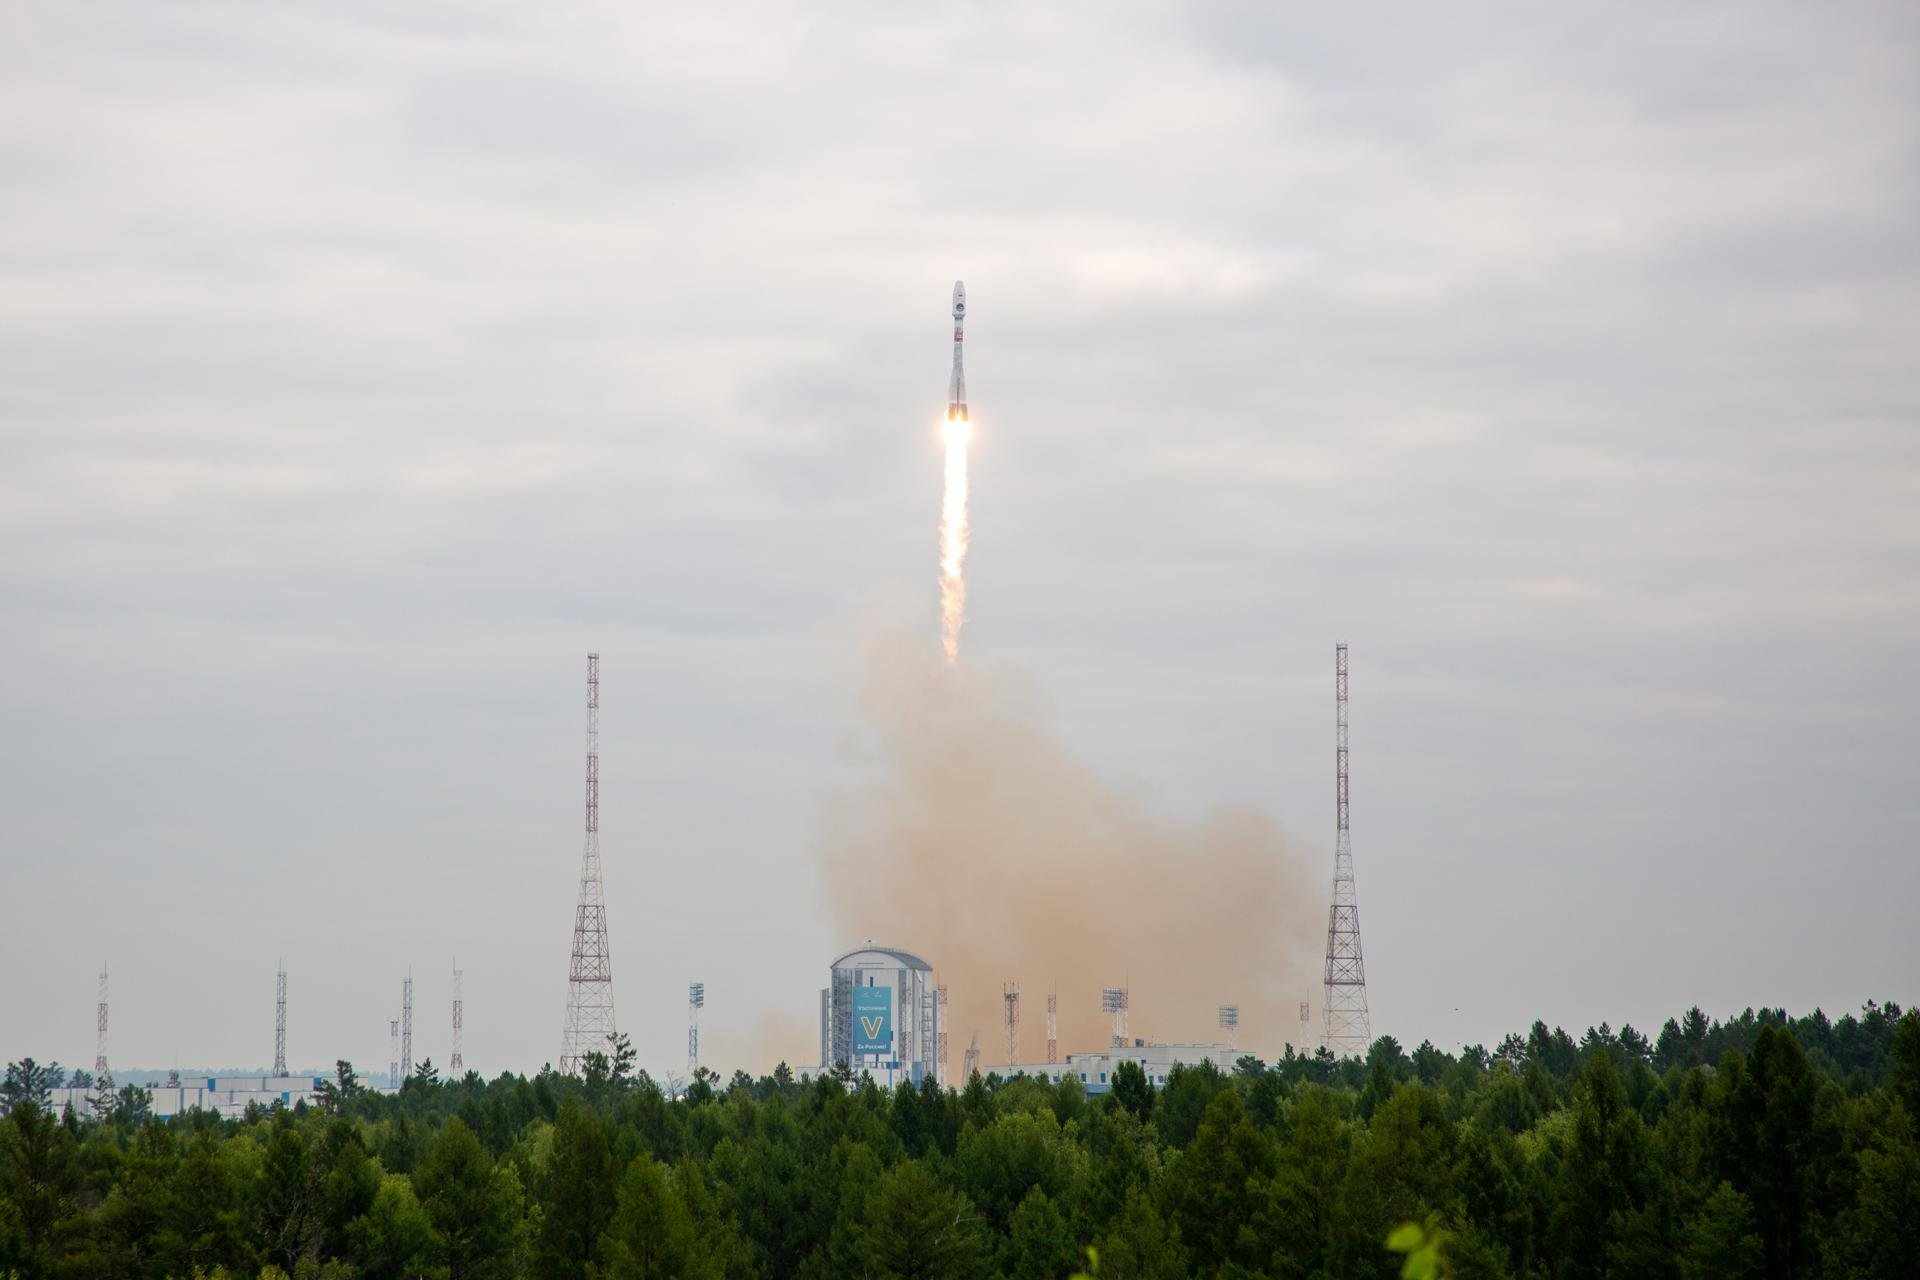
point(102, 1077)
point(393, 1051)
point(457, 1063)
point(940, 1001)
point(1053, 1026)
point(1345, 1028)
point(970, 1060)
point(696, 1001)
point(280, 1020)
point(406, 1028)
point(589, 1023)
point(1230, 1023)
point(1113, 1000)
point(1010, 1000)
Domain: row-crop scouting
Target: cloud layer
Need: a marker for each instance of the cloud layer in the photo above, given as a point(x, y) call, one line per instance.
point(364, 369)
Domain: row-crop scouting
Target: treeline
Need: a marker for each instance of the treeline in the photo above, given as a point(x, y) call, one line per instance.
point(1764, 1146)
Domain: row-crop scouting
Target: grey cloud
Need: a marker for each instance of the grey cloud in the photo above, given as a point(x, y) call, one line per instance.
point(364, 369)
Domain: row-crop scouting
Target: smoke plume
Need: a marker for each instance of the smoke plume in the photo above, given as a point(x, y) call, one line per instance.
point(981, 844)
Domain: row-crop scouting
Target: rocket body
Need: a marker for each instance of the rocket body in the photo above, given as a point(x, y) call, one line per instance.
point(957, 384)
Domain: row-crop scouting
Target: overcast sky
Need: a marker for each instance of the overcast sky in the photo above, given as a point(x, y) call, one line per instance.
point(363, 367)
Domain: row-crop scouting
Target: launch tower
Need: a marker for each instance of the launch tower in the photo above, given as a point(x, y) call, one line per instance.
point(590, 975)
point(1345, 1029)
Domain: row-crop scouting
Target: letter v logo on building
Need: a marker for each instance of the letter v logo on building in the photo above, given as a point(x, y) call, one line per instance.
point(872, 1019)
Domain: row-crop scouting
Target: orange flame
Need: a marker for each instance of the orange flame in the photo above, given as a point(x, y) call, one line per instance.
point(953, 538)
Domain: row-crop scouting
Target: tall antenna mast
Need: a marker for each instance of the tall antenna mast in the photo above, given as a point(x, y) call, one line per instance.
point(1053, 1026)
point(406, 1028)
point(393, 1052)
point(1346, 1031)
point(590, 975)
point(102, 1076)
point(457, 1064)
point(280, 1019)
point(1010, 997)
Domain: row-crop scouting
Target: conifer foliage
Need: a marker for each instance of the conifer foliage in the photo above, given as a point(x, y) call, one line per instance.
point(1762, 1147)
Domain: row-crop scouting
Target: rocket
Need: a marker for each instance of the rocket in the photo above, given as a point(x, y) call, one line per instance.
point(957, 385)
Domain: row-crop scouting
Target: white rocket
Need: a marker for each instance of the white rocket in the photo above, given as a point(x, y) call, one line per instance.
point(957, 386)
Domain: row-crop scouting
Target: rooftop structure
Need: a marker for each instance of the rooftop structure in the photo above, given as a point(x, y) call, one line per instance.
point(879, 1013)
point(229, 1096)
point(1157, 1061)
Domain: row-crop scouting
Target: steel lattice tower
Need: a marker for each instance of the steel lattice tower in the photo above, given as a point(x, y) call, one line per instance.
point(1010, 998)
point(457, 1064)
point(1113, 1000)
point(970, 1060)
point(102, 1077)
point(1230, 1023)
point(940, 1001)
point(590, 975)
point(393, 1051)
point(406, 1028)
point(696, 1001)
point(1053, 1026)
point(1345, 1030)
point(280, 1020)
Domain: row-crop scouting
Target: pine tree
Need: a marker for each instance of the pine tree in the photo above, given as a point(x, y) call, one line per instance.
point(575, 1196)
point(475, 1208)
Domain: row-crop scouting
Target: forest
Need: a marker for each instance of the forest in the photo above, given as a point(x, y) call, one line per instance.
point(1759, 1146)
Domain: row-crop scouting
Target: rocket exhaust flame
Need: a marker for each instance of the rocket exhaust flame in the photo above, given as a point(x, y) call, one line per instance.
point(953, 505)
point(953, 538)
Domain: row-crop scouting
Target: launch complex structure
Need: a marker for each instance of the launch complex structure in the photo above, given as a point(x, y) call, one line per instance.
point(589, 1025)
point(590, 1022)
point(1345, 1027)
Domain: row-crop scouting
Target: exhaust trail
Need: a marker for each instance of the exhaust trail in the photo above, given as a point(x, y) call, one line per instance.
point(957, 433)
point(953, 540)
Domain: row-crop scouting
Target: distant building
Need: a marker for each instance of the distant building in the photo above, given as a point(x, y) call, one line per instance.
point(230, 1096)
point(879, 1013)
point(1095, 1070)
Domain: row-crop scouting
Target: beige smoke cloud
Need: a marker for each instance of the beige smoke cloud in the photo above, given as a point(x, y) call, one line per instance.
point(984, 846)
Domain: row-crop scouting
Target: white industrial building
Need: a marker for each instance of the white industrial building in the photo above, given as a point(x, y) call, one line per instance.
point(880, 1013)
point(230, 1096)
point(1095, 1070)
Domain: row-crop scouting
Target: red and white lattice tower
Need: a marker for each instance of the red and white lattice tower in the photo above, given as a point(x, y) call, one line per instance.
point(102, 1076)
point(457, 1064)
point(590, 974)
point(1345, 1029)
point(1053, 1026)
